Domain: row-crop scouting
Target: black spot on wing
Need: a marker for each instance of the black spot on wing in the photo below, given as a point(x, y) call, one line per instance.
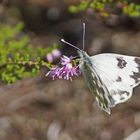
point(120, 95)
point(136, 75)
point(137, 60)
point(119, 79)
point(122, 98)
point(121, 92)
point(121, 62)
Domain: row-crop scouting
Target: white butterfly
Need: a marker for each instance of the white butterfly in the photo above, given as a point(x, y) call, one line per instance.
point(110, 77)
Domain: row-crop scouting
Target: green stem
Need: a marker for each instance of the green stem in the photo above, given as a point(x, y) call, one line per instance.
point(29, 63)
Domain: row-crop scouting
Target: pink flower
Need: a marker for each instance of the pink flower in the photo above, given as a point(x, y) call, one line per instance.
point(53, 55)
point(56, 53)
point(65, 60)
point(66, 71)
point(49, 57)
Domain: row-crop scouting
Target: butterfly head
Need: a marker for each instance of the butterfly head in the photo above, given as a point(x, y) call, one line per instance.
point(82, 54)
point(84, 57)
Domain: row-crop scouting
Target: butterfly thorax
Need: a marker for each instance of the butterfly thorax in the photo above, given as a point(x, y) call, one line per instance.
point(84, 58)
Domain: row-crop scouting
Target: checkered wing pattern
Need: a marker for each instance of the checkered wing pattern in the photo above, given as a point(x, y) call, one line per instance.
point(97, 87)
point(111, 77)
point(119, 73)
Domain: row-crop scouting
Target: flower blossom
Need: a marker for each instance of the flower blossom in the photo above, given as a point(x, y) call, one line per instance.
point(66, 71)
point(53, 55)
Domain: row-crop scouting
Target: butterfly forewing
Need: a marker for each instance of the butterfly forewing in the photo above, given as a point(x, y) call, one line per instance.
point(119, 73)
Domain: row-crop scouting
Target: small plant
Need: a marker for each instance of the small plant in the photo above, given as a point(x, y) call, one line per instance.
point(107, 7)
point(18, 58)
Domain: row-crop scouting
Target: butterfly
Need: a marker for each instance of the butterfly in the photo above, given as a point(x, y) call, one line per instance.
point(110, 77)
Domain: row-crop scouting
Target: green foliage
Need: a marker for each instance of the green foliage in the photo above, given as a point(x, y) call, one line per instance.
point(107, 7)
point(81, 7)
point(18, 58)
point(132, 9)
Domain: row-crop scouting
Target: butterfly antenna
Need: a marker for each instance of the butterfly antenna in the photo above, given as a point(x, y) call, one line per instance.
point(83, 36)
point(70, 44)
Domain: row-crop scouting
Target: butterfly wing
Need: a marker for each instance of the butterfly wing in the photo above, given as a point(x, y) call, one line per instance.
point(94, 82)
point(119, 73)
point(97, 87)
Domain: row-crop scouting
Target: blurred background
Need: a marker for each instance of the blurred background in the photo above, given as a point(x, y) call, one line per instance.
point(39, 108)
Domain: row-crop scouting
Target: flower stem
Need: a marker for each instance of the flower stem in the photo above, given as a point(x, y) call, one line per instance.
point(29, 63)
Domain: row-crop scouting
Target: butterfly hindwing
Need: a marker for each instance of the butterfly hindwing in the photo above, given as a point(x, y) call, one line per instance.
point(119, 73)
point(97, 87)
